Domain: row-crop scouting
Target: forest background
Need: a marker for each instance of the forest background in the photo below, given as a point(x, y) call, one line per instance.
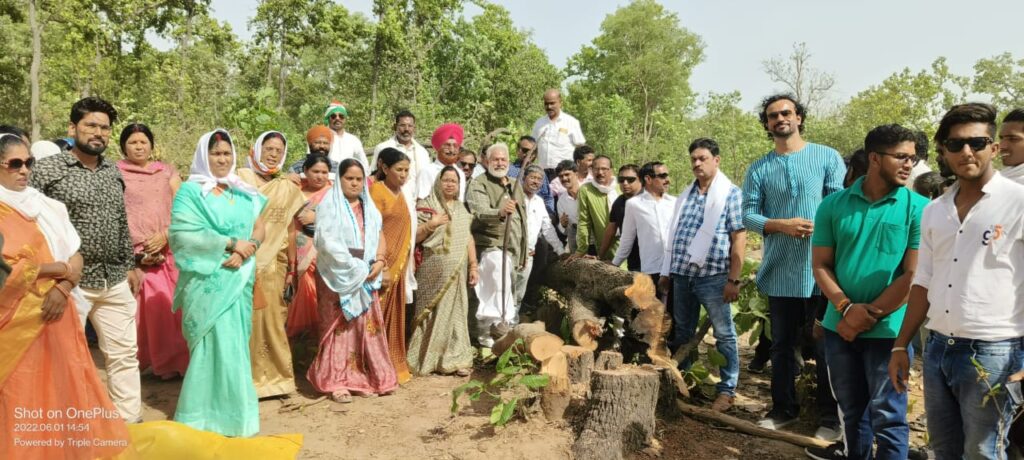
point(629, 86)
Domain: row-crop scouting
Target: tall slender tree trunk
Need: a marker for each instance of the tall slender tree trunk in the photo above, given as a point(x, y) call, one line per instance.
point(282, 72)
point(375, 81)
point(37, 59)
point(183, 50)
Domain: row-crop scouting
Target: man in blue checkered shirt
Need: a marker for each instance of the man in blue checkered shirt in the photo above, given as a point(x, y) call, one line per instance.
point(708, 240)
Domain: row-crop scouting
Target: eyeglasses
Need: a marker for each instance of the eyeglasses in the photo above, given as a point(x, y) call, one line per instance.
point(627, 179)
point(336, 115)
point(953, 145)
point(465, 165)
point(93, 127)
point(661, 176)
point(902, 158)
point(524, 149)
point(779, 114)
point(17, 163)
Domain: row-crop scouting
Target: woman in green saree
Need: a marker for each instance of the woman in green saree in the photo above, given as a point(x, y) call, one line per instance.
point(214, 233)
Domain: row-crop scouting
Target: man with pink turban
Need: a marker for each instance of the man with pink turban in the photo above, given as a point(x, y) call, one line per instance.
point(447, 142)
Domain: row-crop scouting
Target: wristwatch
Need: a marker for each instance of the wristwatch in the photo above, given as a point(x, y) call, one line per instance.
point(734, 281)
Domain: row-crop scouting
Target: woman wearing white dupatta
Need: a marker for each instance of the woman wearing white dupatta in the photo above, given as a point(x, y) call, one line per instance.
point(353, 355)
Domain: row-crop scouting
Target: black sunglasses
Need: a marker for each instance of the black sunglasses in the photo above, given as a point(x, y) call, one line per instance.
point(336, 115)
point(17, 163)
point(627, 179)
point(954, 145)
point(467, 165)
point(661, 176)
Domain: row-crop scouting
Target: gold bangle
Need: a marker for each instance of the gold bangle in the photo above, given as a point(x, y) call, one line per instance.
point(63, 290)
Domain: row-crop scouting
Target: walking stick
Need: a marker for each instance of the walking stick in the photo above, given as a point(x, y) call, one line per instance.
point(503, 327)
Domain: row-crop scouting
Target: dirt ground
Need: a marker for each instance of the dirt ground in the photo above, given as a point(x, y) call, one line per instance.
point(415, 423)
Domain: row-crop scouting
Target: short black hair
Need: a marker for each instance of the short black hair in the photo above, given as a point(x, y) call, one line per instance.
point(630, 167)
point(92, 104)
point(565, 165)
point(388, 158)
point(404, 114)
point(527, 137)
point(930, 184)
point(647, 170)
point(971, 112)
point(856, 164)
point(133, 128)
point(313, 158)
point(581, 152)
point(11, 129)
point(1015, 116)
point(606, 157)
point(921, 145)
point(464, 151)
point(887, 136)
point(800, 109)
point(704, 143)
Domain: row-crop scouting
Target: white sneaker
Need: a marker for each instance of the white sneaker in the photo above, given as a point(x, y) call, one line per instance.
point(828, 434)
point(775, 422)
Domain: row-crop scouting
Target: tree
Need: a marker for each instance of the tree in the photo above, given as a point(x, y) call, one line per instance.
point(1001, 78)
point(645, 57)
point(809, 85)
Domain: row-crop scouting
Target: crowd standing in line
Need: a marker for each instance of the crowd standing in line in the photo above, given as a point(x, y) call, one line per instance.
point(381, 261)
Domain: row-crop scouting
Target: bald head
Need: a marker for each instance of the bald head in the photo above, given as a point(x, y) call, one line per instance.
point(553, 103)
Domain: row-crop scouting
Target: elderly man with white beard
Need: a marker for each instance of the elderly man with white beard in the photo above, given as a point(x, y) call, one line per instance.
point(494, 202)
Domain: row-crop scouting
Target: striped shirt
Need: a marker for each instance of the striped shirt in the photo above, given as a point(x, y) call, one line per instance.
point(783, 187)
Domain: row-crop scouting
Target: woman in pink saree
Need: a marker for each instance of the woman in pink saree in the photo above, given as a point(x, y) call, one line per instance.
point(302, 313)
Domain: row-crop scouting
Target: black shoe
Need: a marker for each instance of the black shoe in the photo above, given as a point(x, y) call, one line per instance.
point(834, 451)
point(917, 454)
point(757, 365)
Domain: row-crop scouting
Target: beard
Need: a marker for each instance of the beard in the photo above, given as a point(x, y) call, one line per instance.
point(498, 173)
point(317, 151)
point(88, 149)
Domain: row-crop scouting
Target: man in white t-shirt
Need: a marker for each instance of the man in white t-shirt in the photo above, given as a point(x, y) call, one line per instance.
point(404, 141)
point(1011, 146)
point(566, 208)
point(557, 134)
point(346, 145)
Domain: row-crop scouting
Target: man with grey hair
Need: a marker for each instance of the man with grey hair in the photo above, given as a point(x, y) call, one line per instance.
point(493, 205)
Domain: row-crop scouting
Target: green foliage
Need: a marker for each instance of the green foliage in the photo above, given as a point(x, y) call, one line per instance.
point(515, 381)
point(750, 310)
point(1001, 78)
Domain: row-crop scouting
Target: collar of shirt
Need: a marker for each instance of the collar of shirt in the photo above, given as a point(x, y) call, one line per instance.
point(857, 190)
point(71, 160)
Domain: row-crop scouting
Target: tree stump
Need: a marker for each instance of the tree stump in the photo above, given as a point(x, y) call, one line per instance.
point(608, 360)
point(667, 392)
point(581, 365)
point(620, 415)
point(540, 344)
point(556, 396)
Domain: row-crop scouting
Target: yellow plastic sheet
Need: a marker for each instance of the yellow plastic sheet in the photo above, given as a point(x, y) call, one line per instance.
point(167, 440)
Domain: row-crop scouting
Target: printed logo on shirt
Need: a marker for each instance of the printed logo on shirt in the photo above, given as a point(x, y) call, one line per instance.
point(562, 131)
point(992, 234)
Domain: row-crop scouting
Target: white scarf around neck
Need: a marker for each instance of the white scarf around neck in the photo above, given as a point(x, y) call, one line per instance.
point(200, 172)
point(714, 204)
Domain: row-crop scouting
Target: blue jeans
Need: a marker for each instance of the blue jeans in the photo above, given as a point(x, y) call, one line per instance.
point(792, 318)
point(959, 424)
point(870, 407)
point(688, 294)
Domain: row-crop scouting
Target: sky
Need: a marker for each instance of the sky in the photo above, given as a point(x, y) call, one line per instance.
point(860, 42)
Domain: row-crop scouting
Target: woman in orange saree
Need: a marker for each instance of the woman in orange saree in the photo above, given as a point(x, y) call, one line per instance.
point(386, 191)
point(52, 403)
point(302, 313)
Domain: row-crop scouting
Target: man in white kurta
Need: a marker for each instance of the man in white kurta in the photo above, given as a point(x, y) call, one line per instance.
point(557, 134)
point(346, 145)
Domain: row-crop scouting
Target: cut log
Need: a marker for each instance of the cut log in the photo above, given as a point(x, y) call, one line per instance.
point(667, 392)
point(585, 325)
point(620, 415)
point(556, 396)
point(608, 360)
point(581, 365)
point(540, 344)
point(593, 281)
point(746, 427)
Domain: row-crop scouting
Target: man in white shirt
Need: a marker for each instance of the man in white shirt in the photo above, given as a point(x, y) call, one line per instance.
point(538, 223)
point(346, 145)
point(648, 220)
point(557, 134)
point(1011, 145)
point(970, 284)
point(447, 143)
point(404, 140)
point(566, 208)
point(921, 163)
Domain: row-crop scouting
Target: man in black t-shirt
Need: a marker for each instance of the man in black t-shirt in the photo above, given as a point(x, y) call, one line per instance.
point(629, 183)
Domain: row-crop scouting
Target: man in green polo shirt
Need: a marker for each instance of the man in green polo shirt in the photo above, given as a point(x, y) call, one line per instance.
point(864, 256)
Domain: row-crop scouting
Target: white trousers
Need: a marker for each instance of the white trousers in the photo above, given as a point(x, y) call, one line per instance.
point(489, 292)
point(112, 312)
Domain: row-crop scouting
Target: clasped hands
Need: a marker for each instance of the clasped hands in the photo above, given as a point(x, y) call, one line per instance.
point(860, 318)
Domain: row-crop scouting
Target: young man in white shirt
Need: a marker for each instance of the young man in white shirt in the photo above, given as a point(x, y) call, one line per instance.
point(557, 134)
point(648, 220)
point(1011, 146)
point(346, 145)
point(538, 223)
point(566, 207)
point(968, 283)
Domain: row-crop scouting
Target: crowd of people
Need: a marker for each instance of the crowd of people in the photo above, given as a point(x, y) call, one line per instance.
point(382, 259)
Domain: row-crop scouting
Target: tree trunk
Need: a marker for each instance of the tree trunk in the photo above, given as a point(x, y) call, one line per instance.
point(608, 360)
point(282, 72)
point(586, 327)
point(540, 344)
point(746, 427)
point(37, 60)
point(581, 366)
point(667, 392)
point(620, 415)
point(556, 396)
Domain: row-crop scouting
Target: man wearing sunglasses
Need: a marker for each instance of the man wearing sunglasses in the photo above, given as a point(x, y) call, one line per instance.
point(781, 192)
point(968, 283)
point(93, 190)
point(526, 145)
point(1011, 146)
point(629, 182)
point(346, 145)
point(646, 220)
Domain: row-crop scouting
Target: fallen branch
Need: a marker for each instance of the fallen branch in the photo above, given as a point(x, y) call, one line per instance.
point(746, 427)
point(685, 350)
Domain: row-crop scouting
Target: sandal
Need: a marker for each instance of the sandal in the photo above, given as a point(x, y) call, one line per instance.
point(341, 397)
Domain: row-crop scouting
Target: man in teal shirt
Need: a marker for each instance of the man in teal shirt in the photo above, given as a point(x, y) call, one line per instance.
point(864, 255)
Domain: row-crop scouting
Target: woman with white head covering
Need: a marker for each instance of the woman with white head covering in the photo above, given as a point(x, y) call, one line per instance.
point(214, 233)
point(276, 263)
point(353, 354)
point(45, 363)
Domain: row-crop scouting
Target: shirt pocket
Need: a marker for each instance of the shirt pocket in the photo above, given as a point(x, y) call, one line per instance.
point(892, 238)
